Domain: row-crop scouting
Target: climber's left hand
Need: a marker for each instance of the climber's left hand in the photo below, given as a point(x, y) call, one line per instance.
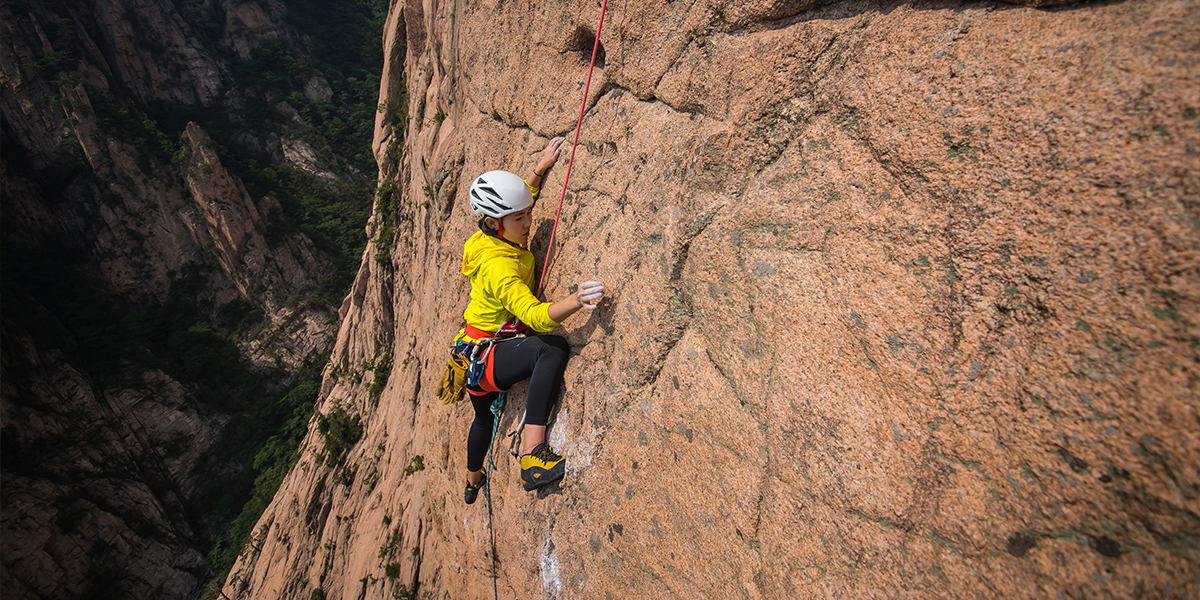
point(589, 294)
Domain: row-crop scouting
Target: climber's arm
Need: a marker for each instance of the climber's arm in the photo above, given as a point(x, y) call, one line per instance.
point(564, 308)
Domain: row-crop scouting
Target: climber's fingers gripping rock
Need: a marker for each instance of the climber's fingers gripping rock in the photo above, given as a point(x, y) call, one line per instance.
point(590, 293)
point(550, 154)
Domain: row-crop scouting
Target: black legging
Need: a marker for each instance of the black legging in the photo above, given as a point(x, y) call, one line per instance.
point(541, 359)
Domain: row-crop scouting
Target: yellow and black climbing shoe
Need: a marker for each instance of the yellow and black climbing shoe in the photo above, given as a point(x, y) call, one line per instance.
point(541, 467)
point(472, 491)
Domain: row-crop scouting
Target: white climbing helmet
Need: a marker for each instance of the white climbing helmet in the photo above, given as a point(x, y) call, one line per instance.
point(498, 193)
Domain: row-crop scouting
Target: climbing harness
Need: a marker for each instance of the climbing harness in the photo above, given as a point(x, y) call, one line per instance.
point(578, 124)
point(470, 366)
point(476, 351)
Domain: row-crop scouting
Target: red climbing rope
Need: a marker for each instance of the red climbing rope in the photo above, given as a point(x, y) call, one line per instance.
point(578, 124)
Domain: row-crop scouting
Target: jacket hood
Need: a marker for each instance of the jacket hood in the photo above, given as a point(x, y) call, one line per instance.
point(482, 247)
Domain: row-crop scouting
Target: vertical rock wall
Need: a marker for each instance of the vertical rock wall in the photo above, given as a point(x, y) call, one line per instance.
point(902, 303)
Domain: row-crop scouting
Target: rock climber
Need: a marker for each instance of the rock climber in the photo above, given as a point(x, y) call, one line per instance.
point(503, 315)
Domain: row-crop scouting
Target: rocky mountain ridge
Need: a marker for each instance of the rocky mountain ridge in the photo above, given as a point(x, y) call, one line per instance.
point(902, 303)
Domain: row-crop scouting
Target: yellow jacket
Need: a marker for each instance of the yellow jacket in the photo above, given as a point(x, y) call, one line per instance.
point(501, 285)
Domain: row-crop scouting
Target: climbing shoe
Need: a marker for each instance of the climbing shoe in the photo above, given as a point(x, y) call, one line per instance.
point(471, 494)
point(541, 467)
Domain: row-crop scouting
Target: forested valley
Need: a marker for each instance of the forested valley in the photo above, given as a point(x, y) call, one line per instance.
point(185, 191)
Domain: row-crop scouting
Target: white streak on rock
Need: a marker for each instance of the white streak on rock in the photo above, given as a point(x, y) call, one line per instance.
point(550, 582)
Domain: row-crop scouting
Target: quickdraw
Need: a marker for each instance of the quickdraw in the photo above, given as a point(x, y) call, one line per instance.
point(514, 447)
point(477, 353)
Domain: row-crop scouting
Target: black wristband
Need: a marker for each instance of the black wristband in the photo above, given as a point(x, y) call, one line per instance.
point(541, 175)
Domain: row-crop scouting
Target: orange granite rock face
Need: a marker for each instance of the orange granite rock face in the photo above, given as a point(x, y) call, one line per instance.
point(902, 302)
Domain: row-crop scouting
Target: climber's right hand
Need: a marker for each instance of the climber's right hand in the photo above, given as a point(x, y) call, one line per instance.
point(550, 155)
point(590, 293)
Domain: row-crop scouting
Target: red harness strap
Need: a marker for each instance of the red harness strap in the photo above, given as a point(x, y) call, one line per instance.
point(477, 334)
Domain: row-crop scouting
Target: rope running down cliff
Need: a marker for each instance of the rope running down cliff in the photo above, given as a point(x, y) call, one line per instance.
point(578, 124)
point(497, 409)
point(498, 404)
